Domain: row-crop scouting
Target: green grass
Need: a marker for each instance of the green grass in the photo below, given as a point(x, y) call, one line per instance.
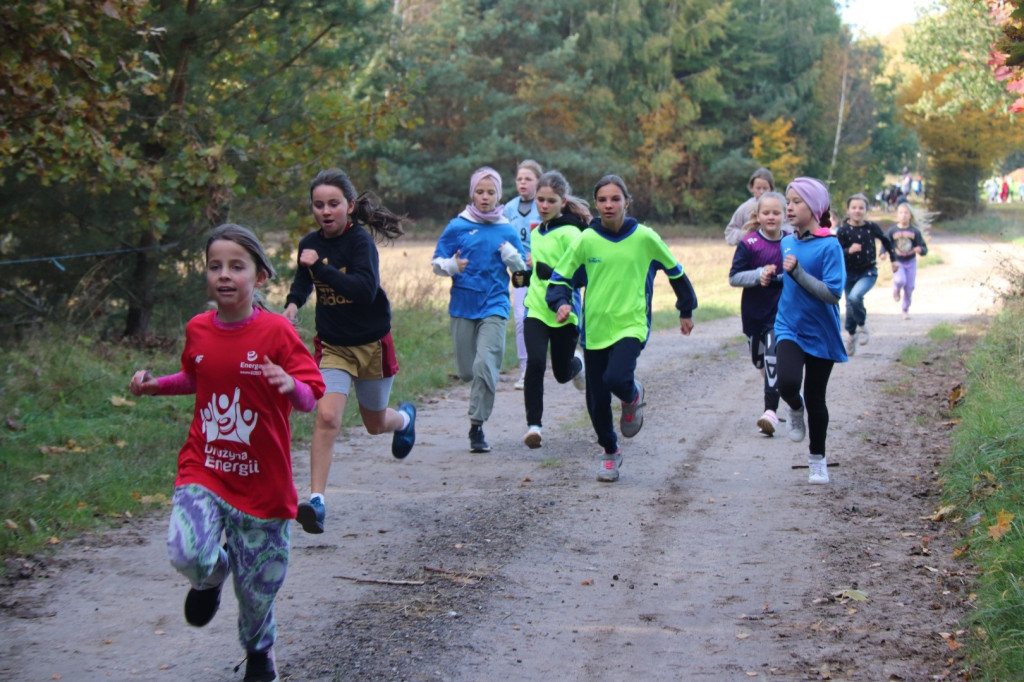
point(983, 479)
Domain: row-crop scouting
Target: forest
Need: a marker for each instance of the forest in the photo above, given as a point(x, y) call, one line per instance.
point(129, 128)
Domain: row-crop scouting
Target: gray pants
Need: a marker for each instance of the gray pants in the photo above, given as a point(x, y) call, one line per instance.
point(479, 350)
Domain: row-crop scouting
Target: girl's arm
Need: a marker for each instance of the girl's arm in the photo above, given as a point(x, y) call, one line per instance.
point(144, 383)
point(919, 243)
point(686, 297)
point(361, 280)
point(742, 274)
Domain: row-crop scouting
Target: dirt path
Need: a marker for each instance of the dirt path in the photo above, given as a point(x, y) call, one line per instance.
point(712, 558)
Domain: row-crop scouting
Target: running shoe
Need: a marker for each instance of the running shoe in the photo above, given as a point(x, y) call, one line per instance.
point(818, 469)
point(609, 471)
point(311, 516)
point(201, 605)
point(403, 440)
point(532, 437)
point(863, 336)
point(795, 427)
point(477, 443)
point(633, 413)
point(851, 343)
point(768, 422)
point(259, 666)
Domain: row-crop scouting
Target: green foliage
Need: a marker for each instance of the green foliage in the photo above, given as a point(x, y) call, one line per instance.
point(240, 99)
point(983, 481)
point(966, 82)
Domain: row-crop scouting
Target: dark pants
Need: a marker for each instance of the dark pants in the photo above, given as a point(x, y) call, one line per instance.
point(796, 367)
point(762, 354)
point(564, 364)
point(610, 372)
point(857, 285)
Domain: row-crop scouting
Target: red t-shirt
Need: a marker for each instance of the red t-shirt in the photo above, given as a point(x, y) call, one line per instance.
point(239, 444)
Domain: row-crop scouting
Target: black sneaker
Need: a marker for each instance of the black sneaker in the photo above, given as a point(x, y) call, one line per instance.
point(259, 666)
point(402, 441)
point(201, 605)
point(311, 515)
point(476, 439)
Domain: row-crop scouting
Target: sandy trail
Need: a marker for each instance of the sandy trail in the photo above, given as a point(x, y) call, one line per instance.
point(711, 558)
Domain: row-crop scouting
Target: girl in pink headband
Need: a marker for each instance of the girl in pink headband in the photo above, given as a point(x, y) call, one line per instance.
point(808, 338)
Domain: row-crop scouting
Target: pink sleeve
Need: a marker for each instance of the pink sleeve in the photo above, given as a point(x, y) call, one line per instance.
point(302, 397)
point(177, 384)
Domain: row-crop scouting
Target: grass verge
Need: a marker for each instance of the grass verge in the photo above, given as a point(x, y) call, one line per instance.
point(984, 483)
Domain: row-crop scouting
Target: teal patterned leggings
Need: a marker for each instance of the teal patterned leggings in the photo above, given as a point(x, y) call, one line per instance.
point(256, 552)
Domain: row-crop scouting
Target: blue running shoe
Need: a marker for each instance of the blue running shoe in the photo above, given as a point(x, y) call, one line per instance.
point(311, 516)
point(402, 441)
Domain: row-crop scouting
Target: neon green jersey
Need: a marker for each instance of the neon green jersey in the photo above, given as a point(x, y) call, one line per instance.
point(618, 271)
point(548, 243)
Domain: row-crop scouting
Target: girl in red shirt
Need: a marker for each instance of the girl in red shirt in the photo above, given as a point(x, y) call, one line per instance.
point(247, 368)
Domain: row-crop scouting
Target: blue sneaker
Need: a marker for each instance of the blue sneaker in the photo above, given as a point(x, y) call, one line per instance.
point(402, 441)
point(311, 516)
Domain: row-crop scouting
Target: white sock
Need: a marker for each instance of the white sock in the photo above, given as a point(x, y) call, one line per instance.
point(405, 421)
point(316, 496)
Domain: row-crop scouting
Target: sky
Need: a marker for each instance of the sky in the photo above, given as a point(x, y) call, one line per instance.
point(878, 17)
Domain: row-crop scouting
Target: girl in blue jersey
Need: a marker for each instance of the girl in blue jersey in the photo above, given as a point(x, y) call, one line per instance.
point(522, 212)
point(760, 251)
point(616, 260)
point(477, 250)
point(564, 217)
point(807, 334)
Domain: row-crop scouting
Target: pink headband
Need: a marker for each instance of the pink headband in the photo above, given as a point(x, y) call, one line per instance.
point(480, 174)
point(814, 194)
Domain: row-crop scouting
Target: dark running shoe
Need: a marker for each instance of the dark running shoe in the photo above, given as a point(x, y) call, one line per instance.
point(259, 666)
point(476, 439)
point(311, 516)
point(201, 605)
point(402, 441)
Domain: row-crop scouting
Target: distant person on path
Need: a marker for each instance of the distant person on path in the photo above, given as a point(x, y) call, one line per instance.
point(760, 252)
point(857, 236)
point(761, 181)
point(522, 213)
point(807, 336)
point(563, 218)
point(616, 260)
point(247, 368)
point(478, 249)
point(1004, 191)
point(353, 325)
point(908, 243)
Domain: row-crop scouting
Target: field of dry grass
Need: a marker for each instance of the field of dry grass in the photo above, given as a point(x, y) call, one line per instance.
point(410, 283)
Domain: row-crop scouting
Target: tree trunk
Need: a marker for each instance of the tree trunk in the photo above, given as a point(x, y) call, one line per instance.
point(142, 288)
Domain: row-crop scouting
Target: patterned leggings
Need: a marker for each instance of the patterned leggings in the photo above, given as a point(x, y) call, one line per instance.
point(256, 552)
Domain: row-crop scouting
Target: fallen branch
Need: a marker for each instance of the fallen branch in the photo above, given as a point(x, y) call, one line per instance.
point(380, 581)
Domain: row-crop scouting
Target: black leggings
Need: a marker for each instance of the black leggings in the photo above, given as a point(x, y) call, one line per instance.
point(564, 364)
point(796, 367)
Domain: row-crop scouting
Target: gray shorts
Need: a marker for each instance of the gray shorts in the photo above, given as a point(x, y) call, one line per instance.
point(372, 394)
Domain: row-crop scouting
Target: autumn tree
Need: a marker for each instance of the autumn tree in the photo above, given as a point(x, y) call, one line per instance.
point(960, 112)
point(214, 100)
point(774, 147)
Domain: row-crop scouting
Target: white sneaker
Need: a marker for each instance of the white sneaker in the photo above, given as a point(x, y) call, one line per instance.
point(818, 468)
point(532, 438)
point(521, 382)
point(863, 336)
point(768, 422)
point(851, 343)
point(795, 428)
point(580, 380)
